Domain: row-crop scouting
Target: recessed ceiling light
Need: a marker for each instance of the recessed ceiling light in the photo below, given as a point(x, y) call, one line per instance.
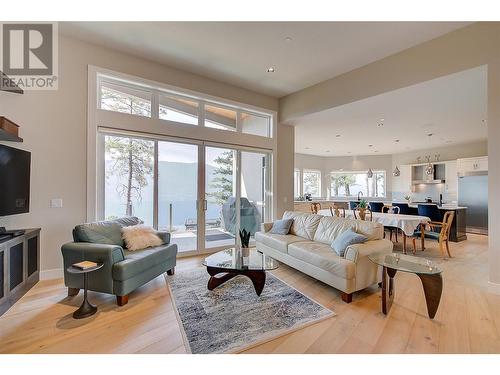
point(370, 145)
point(375, 151)
point(430, 134)
point(288, 39)
point(337, 136)
point(382, 120)
point(270, 69)
point(327, 151)
point(396, 140)
point(483, 121)
point(380, 124)
point(349, 152)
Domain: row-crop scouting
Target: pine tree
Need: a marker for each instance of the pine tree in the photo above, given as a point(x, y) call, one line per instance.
point(221, 185)
point(132, 163)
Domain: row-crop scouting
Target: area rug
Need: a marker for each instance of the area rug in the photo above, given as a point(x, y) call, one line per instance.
point(232, 318)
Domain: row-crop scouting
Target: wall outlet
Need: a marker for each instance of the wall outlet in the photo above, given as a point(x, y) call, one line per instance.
point(56, 203)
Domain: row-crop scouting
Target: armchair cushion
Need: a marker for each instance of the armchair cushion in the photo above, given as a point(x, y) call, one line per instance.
point(104, 232)
point(138, 237)
point(137, 262)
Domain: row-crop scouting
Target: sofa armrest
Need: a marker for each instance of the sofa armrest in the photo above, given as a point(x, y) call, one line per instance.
point(356, 251)
point(165, 236)
point(101, 279)
point(266, 227)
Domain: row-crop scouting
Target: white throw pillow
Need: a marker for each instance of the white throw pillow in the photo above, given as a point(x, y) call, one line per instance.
point(138, 237)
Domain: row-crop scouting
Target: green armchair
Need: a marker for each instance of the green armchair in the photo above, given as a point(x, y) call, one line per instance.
point(123, 271)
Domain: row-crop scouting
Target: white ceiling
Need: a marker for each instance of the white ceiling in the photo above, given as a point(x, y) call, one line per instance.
point(451, 108)
point(239, 53)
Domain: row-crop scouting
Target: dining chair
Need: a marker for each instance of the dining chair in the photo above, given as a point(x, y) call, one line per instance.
point(315, 207)
point(404, 209)
point(353, 204)
point(443, 235)
point(368, 213)
point(392, 210)
point(376, 206)
point(336, 211)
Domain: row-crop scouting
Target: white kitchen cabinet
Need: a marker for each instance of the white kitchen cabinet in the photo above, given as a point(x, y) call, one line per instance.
point(468, 165)
point(451, 177)
point(402, 183)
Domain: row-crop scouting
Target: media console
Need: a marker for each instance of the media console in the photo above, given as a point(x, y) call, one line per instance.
point(19, 266)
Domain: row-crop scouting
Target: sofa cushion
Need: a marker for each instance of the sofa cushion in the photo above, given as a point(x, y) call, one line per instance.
point(330, 228)
point(349, 237)
point(322, 256)
point(104, 232)
point(304, 225)
point(282, 226)
point(370, 229)
point(278, 242)
point(142, 260)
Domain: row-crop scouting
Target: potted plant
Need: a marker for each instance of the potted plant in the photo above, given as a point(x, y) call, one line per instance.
point(245, 241)
point(362, 207)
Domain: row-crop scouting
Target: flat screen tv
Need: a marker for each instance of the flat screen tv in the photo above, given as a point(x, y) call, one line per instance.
point(15, 168)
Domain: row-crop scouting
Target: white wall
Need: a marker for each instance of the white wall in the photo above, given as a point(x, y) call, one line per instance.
point(53, 125)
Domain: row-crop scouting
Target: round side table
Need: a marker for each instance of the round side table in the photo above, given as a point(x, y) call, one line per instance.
point(86, 309)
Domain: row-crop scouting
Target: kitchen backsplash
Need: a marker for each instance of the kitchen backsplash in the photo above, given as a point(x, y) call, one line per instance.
point(422, 191)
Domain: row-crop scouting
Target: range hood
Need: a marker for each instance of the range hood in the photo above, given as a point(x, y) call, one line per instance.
point(419, 176)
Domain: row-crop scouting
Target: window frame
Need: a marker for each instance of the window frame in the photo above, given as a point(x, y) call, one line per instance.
point(100, 120)
point(297, 183)
point(316, 171)
point(384, 172)
point(158, 90)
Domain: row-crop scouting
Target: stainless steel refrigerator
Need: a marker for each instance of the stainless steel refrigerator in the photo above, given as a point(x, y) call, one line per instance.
point(473, 194)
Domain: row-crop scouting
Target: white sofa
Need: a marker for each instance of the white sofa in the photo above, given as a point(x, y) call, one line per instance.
point(307, 249)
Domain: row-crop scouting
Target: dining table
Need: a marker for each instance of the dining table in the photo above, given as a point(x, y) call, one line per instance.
point(406, 223)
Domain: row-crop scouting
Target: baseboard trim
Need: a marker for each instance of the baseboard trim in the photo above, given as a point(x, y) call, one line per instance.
point(56, 273)
point(493, 288)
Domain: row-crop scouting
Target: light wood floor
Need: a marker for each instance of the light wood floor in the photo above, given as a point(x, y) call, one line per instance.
point(467, 321)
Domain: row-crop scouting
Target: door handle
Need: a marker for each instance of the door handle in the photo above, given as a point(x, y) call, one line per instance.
point(205, 205)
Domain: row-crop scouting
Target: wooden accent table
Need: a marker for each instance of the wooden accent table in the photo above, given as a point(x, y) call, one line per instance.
point(226, 264)
point(429, 274)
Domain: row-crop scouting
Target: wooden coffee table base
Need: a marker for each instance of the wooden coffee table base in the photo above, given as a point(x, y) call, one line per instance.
point(432, 284)
point(219, 276)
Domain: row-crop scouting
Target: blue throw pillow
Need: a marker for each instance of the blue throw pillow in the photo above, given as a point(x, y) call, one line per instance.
point(347, 238)
point(282, 226)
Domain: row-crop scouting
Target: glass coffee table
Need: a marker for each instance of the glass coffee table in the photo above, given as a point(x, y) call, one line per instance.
point(226, 264)
point(427, 271)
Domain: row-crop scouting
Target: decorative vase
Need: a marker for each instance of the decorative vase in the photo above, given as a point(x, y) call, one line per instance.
point(362, 213)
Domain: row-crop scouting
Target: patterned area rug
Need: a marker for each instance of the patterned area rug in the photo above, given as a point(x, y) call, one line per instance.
point(232, 318)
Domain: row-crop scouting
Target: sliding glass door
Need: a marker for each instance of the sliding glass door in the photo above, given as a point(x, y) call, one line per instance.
point(202, 194)
point(255, 190)
point(220, 193)
point(178, 193)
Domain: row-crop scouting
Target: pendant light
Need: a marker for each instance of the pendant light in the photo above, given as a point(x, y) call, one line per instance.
point(429, 169)
point(369, 173)
point(396, 172)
